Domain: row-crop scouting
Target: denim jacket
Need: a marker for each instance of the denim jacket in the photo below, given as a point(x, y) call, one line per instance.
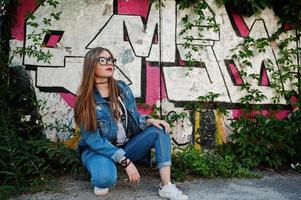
point(100, 140)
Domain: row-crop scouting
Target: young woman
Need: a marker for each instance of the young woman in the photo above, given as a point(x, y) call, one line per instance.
point(112, 130)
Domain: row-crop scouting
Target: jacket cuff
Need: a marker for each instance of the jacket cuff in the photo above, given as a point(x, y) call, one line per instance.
point(118, 155)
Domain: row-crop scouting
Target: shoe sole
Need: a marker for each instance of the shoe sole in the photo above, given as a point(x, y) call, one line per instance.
point(101, 193)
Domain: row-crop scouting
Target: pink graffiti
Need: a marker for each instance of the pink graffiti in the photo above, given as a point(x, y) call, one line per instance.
point(181, 62)
point(129, 7)
point(264, 78)
point(240, 24)
point(152, 88)
point(238, 79)
point(141, 8)
point(293, 101)
point(134, 7)
point(153, 77)
point(69, 98)
point(288, 27)
point(25, 7)
point(279, 114)
point(53, 40)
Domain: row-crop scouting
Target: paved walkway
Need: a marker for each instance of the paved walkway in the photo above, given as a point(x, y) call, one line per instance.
point(273, 186)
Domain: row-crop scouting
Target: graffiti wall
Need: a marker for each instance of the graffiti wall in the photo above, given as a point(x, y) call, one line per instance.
point(150, 57)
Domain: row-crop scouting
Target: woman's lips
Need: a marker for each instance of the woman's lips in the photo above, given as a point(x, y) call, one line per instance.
point(109, 69)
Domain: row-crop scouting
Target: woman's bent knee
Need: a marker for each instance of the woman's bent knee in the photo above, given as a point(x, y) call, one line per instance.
point(103, 179)
point(102, 170)
point(158, 131)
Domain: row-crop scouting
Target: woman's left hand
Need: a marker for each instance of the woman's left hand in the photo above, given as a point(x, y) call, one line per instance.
point(159, 123)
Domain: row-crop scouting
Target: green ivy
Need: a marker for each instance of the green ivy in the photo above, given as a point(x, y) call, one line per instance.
point(198, 8)
point(205, 102)
point(28, 159)
point(256, 140)
point(287, 11)
point(208, 164)
point(281, 72)
point(35, 50)
point(259, 140)
point(266, 141)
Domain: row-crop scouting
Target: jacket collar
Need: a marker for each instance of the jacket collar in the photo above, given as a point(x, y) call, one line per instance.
point(99, 99)
point(97, 96)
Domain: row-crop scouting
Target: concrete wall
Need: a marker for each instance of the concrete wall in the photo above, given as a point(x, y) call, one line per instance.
point(131, 30)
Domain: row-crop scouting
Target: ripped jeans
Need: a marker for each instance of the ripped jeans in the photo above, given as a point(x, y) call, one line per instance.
point(103, 170)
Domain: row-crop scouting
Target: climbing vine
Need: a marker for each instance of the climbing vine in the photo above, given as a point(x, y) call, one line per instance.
point(256, 139)
point(28, 159)
point(200, 19)
point(287, 11)
point(284, 70)
point(36, 37)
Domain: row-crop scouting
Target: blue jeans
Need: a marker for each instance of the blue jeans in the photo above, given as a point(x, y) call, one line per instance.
point(103, 170)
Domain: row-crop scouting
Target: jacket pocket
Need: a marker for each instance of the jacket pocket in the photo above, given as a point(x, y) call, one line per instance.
point(104, 128)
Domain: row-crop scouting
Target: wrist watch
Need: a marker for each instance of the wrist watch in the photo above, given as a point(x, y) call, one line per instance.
point(125, 162)
point(147, 117)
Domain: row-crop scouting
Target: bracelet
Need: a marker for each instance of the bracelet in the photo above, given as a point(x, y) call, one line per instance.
point(146, 118)
point(125, 162)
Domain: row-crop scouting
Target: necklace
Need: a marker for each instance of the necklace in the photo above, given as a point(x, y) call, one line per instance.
point(102, 82)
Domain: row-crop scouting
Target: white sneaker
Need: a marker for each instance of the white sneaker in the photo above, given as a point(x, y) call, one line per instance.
point(170, 191)
point(101, 191)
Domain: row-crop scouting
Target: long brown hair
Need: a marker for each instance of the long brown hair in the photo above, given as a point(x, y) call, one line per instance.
point(85, 108)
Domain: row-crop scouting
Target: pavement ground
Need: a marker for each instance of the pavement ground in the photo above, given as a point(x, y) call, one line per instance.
point(272, 186)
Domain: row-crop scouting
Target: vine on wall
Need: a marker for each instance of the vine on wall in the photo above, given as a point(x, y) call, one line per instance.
point(287, 11)
point(256, 139)
point(34, 50)
point(200, 20)
point(28, 159)
point(285, 72)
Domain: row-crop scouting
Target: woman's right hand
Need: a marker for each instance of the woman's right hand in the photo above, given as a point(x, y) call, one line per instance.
point(132, 173)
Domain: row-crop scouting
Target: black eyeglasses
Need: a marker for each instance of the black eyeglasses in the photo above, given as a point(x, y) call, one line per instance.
point(105, 61)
